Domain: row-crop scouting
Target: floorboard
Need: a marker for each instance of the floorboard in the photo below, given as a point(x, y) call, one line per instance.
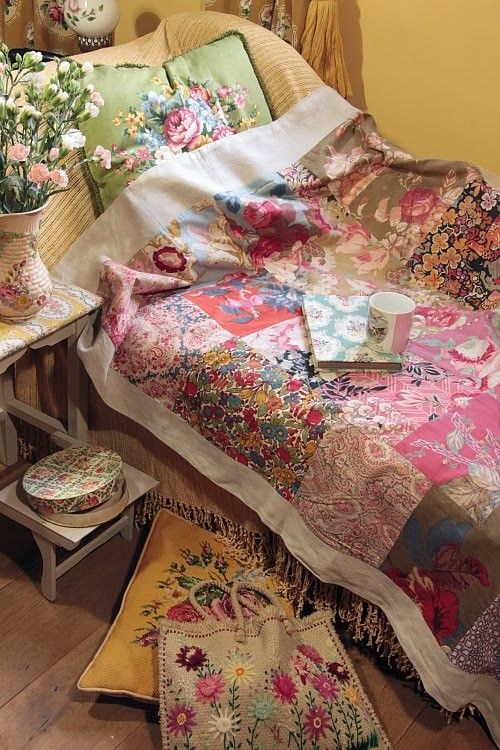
point(147, 736)
point(36, 633)
point(431, 731)
point(45, 647)
point(397, 703)
point(17, 551)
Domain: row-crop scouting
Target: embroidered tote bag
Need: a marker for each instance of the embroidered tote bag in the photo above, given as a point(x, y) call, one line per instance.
point(261, 682)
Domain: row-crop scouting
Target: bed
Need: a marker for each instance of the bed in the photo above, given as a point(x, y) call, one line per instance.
point(366, 480)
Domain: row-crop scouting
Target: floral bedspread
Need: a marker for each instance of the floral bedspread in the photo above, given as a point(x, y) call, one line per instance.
point(400, 471)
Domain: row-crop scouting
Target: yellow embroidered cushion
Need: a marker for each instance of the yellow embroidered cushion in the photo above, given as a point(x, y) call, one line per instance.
point(176, 555)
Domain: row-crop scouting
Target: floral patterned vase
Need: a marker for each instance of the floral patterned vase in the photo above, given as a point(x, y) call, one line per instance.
point(25, 285)
point(93, 21)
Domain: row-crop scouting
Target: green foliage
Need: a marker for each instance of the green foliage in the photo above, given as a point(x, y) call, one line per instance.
point(39, 126)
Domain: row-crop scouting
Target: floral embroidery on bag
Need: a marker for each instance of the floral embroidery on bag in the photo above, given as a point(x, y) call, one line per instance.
point(314, 699)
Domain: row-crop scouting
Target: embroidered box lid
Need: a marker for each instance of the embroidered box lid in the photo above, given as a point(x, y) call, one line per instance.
point(74, 479)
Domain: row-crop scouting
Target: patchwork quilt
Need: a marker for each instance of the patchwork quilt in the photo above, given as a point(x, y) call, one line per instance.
point(387, 484)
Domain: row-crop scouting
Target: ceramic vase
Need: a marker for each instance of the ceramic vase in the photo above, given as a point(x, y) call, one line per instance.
point(93, 21)
point(25, 285)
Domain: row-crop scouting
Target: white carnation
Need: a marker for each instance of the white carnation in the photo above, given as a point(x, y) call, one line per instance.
point(32, 58)
point(63, 66)
point(88, 68)
point(74, 138)
point(92, 109)
point(35, 78)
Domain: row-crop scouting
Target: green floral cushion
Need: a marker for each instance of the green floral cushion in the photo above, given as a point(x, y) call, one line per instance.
point(118, 126)
point(224, 70)
point(145, 120)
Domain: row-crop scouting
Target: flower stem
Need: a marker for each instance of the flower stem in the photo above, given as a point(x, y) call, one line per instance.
point(298, 713)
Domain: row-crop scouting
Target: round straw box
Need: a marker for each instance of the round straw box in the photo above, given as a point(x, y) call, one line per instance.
point(72, 480)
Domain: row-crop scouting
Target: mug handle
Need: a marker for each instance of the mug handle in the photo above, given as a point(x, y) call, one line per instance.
point(418, 326)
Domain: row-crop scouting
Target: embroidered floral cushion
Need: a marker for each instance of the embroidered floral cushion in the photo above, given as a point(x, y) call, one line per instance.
point(223, 68)
point(460, 257)
point(272, 685)
point(176, 555)
point(145, 120)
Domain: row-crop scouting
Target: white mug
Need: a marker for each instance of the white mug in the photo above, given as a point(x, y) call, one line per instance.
point(390, 317)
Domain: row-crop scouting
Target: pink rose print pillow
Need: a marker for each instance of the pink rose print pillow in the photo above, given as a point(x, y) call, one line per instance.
point(146, 120)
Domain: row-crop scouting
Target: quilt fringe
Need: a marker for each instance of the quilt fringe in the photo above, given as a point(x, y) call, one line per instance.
point(361, 621)
point(247, 547)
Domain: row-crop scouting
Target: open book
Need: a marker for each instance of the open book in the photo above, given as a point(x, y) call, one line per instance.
point(337, 331)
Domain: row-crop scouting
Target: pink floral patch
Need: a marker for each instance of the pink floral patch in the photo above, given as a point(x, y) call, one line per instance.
point(417, 205)
point(461, 443)
point(242, 305)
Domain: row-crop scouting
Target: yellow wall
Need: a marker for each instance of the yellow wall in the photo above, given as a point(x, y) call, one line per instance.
point(138, 17)
point(428, 70)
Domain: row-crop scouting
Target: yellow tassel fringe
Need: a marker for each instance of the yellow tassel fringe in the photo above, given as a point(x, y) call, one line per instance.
point(322, 45)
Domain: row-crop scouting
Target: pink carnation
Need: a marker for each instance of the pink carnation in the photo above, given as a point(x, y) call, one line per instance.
point(39, 173)
point(130, 164)
point(18, 152)
point(182, 129)
point(144, 153)
point(97, 99)
point(59, 178)
point(326, 687)
point(309, 651)
point(240, 98)
point(103, 155)
point(53, 154)
point(284, 688)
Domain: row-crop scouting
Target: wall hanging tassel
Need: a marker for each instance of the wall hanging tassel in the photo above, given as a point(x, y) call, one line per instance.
point(322, 45)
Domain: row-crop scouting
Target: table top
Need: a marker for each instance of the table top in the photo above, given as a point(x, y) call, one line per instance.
point(67, 303)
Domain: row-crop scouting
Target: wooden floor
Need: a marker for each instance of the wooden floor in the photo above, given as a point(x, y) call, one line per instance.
point(45, 647)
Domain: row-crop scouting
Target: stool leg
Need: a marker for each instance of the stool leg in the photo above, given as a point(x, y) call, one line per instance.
point(8, 434)
point(77, 389)
point(128, 531)
point(48, 553)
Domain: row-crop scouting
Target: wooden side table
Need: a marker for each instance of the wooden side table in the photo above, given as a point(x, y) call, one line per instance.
point(64, 318)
